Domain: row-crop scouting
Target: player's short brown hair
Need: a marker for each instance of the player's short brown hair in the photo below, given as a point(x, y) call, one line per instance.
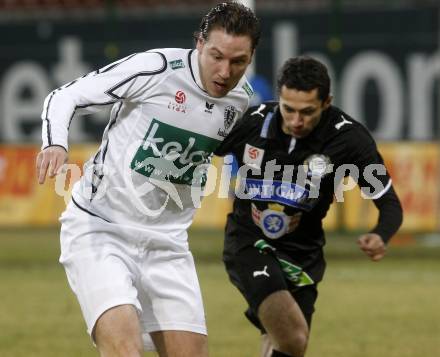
point(234, 18)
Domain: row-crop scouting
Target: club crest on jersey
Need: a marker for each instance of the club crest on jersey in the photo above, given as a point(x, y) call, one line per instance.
point(230, 112)
point(229, 116)
point(318, 165)
point(253, 156)
point(273, 222)
point(178, 104)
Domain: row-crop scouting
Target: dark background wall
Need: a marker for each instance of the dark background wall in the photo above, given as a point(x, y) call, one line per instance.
point(385, 64)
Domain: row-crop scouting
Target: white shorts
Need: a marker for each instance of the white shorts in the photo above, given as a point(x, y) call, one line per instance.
point(109, 265)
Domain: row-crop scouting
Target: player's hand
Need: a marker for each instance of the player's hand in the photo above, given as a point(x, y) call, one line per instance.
point(373, 246)
point(294, 222)
point(50, 160)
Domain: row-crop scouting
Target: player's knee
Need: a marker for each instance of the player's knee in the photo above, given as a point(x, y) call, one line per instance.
point(128, 347)
point(121, 346)
point(296, 343)
point(117, 333)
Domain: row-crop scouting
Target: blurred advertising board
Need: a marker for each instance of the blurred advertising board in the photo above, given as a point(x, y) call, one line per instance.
point(23, 202)
point(414, 168)
point(385, 75)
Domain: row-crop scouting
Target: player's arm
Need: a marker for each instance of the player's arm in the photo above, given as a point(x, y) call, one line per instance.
point(376, 184)
point(389, 221)
point(128, 79)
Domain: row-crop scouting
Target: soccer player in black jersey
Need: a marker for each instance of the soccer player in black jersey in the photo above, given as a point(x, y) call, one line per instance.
point(293, 154)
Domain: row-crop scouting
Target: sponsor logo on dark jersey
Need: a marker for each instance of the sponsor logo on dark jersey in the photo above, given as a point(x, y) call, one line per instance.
point(285, 193)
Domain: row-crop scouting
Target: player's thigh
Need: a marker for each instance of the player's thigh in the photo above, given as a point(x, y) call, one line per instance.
point(257, 275)
point(306, 297)
point(173, 343)
point(175, 300)
point(98, 266)
point(280, 314)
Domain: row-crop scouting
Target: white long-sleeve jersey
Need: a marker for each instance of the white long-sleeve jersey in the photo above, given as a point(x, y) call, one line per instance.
point(162, 131)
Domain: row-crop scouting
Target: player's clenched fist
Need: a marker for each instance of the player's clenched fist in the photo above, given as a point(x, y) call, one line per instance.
point(51, 158)
point(372, 245)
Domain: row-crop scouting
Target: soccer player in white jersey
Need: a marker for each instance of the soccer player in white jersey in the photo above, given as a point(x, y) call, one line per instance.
point(124, 233)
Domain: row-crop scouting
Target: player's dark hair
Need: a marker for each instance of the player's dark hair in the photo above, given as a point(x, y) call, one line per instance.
point(305, 74)
point(234, 18)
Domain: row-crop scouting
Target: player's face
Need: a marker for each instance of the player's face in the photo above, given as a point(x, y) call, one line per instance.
point(301, 111)
point(223, 59)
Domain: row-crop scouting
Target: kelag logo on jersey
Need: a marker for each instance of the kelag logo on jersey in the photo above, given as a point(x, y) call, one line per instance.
point(285, 193)
point(171, 154)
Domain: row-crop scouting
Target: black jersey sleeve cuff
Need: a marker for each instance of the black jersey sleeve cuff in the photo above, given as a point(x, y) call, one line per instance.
point(390, 215)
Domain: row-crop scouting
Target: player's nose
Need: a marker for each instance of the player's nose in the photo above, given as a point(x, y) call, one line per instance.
point(295, 120)
point(225, 70)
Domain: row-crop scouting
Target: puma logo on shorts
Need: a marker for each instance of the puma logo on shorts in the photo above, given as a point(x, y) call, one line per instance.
point(261, 272)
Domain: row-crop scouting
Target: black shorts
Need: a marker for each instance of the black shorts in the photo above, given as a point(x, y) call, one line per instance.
point(258, 274)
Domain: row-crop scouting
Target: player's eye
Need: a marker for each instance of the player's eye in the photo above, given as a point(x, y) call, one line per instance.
point(239, 62)
point(307, 112)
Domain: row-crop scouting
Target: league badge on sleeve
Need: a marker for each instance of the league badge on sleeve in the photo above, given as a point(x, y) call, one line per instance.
point(253, 156)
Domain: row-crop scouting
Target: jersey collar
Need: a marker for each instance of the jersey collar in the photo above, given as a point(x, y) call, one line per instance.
point(193, 63)
point(315, 140)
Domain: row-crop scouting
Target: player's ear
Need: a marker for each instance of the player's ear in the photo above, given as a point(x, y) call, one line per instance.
point(327, 102)
point(200, 43)
point(252, 56)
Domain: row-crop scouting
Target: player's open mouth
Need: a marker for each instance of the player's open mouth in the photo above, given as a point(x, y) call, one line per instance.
point(219, 85)
point(295, 131)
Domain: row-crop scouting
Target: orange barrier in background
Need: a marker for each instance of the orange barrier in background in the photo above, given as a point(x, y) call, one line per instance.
point(414, 167)
point(415, 171)
point(23, 202)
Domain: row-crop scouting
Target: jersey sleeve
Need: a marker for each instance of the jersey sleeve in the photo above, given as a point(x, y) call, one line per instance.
point(376, 184)
point(374, 180)
point(128, 79)
point(390, 215)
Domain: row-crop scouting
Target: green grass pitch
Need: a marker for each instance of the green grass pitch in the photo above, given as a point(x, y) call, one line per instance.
point(386, 309)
